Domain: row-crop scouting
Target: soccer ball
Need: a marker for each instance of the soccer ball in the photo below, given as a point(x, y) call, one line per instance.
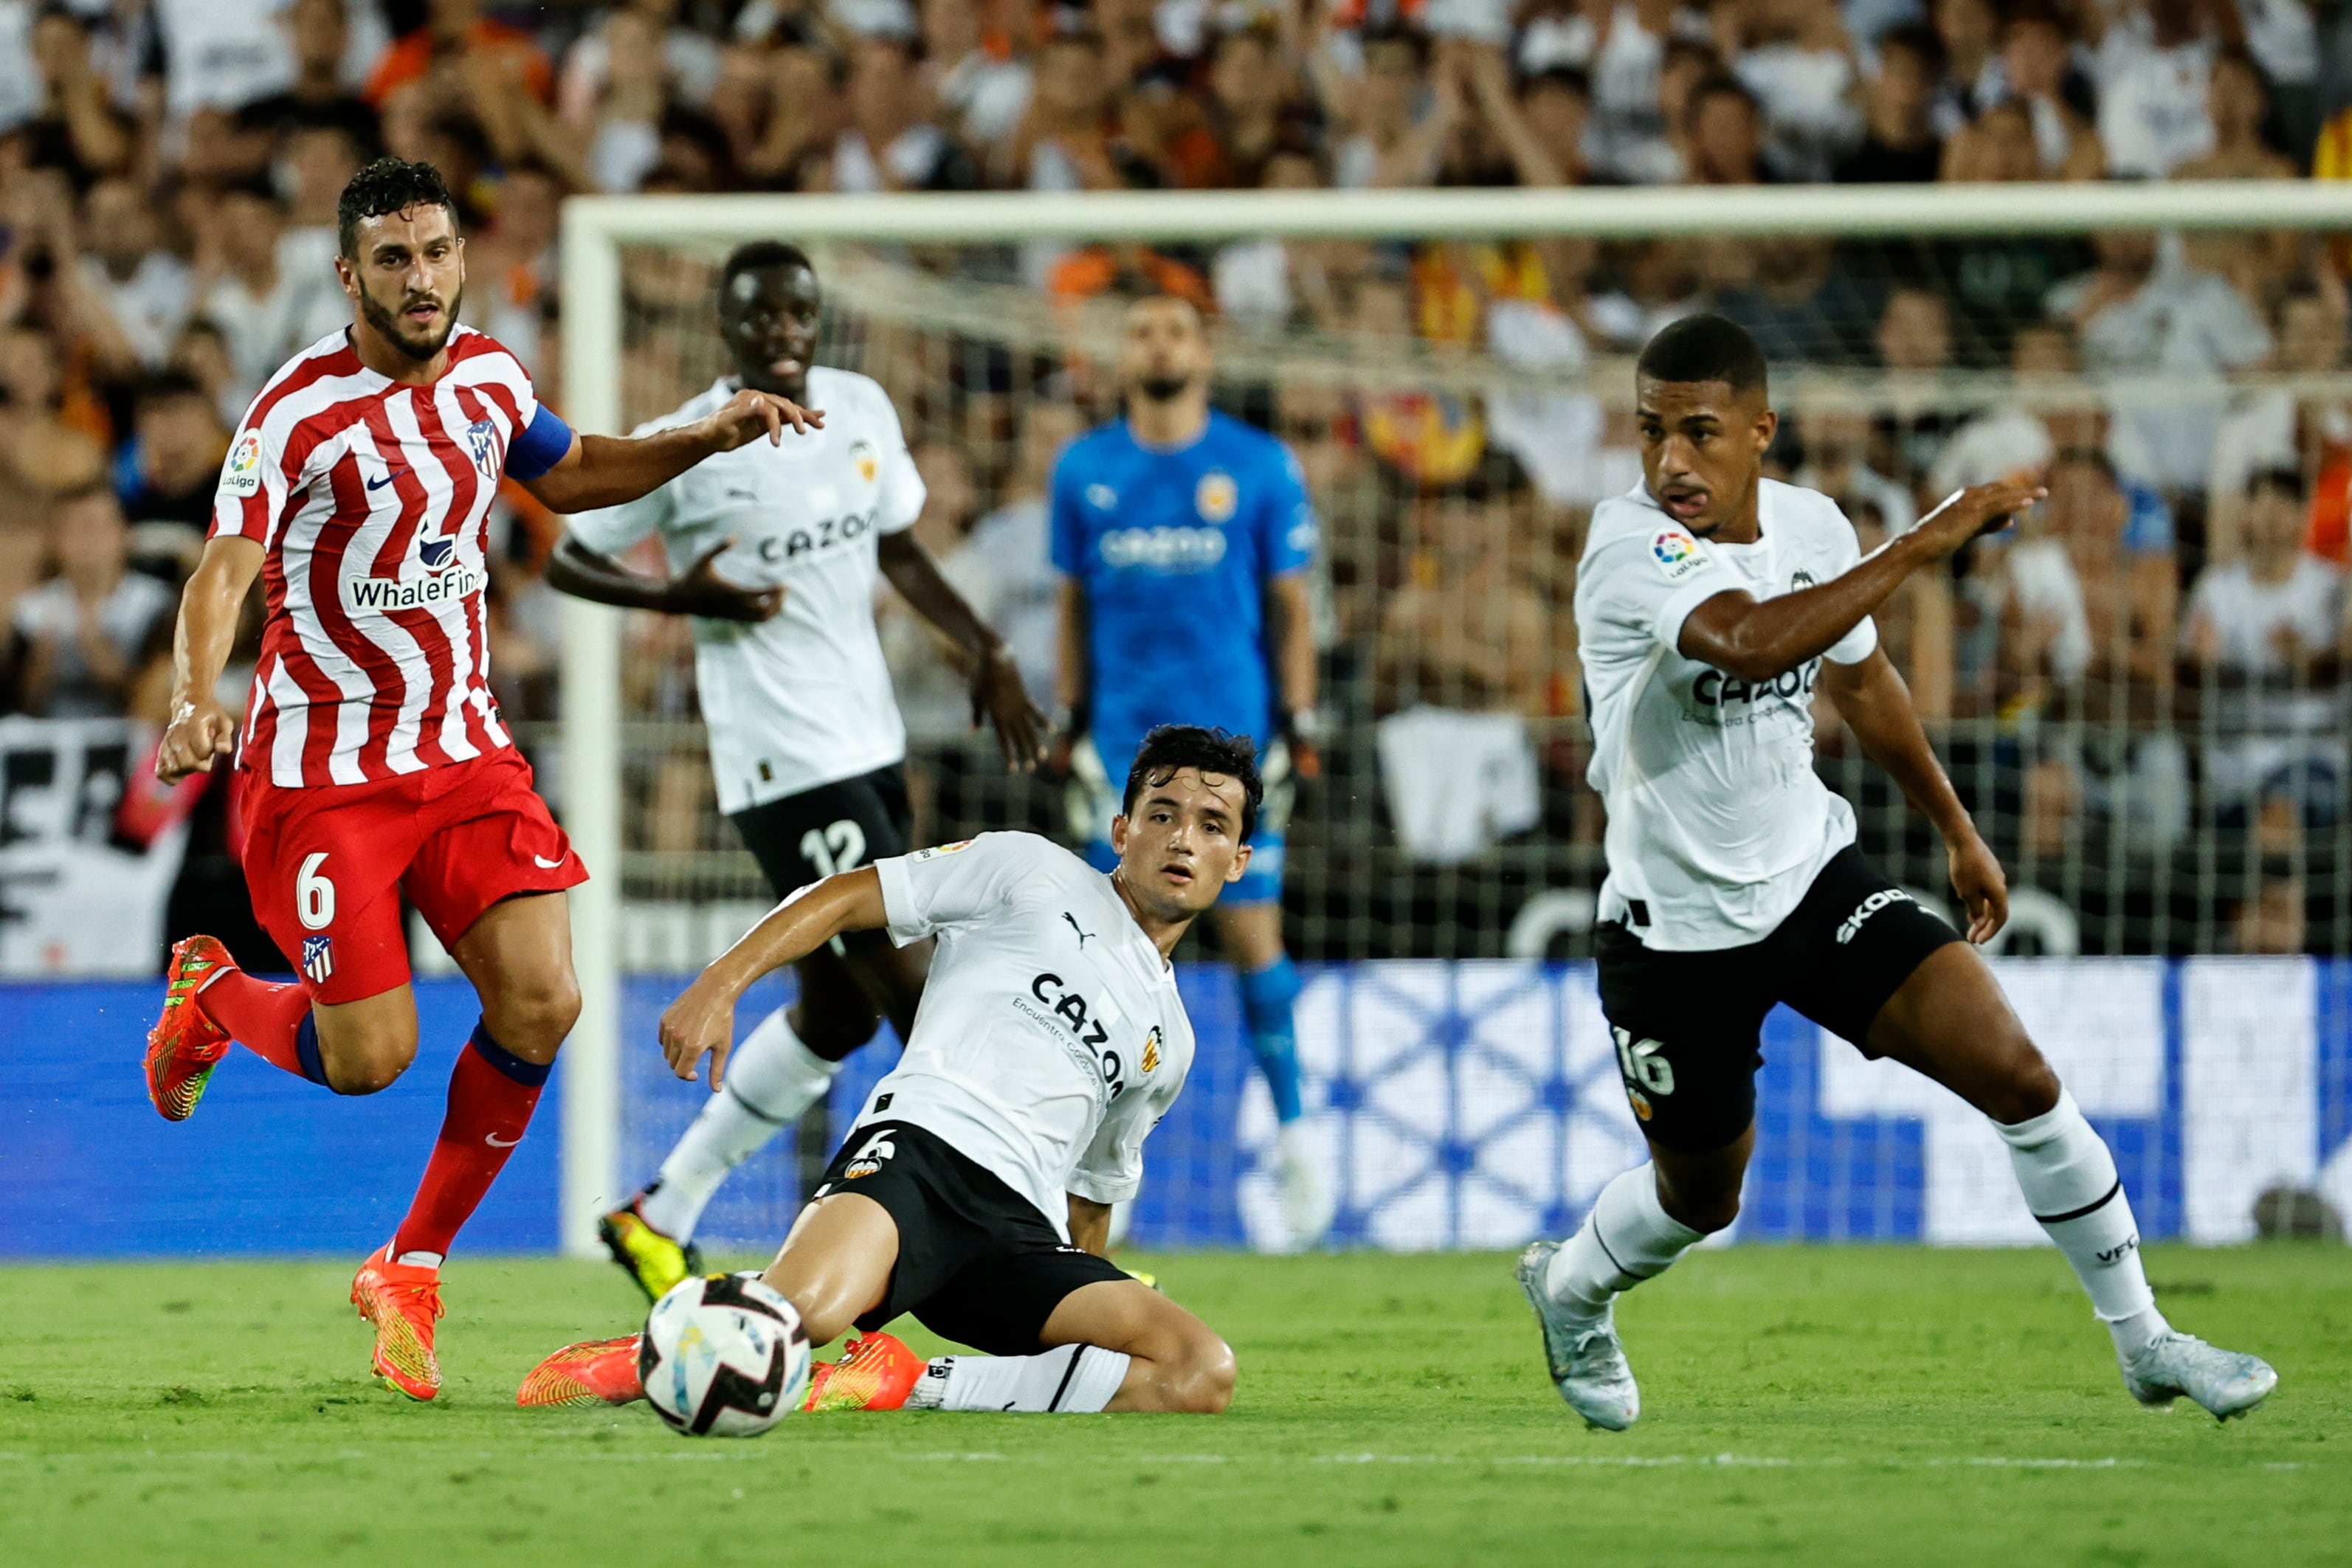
point(723, 1356)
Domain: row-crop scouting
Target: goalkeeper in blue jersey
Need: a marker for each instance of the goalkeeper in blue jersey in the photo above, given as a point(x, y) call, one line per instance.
point(1184, 537)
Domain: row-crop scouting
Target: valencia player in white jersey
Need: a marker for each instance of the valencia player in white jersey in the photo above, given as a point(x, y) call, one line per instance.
point(777, 554)
point(976, 1191)
point(1711, 604)
point(373, 767)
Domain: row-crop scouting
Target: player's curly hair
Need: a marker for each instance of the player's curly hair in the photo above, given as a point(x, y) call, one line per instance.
point(1173, 746)
point(387, 185)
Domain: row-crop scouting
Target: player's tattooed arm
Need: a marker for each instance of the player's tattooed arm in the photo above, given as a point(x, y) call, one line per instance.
point(1757, 641)
point(200, 729)
point(573, 568)
point(997, 693)
point(701, 1022)
point(1875, 704)
point(611, 470)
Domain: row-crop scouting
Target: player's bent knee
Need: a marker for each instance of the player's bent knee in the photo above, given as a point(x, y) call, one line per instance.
point(1204, 1385)
point(371, 1065)
point(2028, 1089)
point(533, 1015)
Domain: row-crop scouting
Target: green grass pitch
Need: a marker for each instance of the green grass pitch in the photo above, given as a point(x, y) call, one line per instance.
point(1804, 1405)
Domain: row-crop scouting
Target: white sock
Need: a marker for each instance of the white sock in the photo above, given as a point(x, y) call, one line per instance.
point(1628, 1238)
point(771, 1079)
point(2069, 1183)
point(1071, 1379)
point(422, 1260)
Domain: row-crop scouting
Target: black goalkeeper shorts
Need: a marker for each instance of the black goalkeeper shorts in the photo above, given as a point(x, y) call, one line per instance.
point(1688, 1026)
point(977, 1263)
point(835, 827)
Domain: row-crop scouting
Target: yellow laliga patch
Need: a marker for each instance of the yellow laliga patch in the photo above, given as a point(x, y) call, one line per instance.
point(861, 454)
point(936, 851)
point(1215, 496)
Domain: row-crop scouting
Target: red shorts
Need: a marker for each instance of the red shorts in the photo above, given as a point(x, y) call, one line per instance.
point(326, 866)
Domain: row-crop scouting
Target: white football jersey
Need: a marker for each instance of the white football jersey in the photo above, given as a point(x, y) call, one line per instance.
point(802, 698)
point(1050, 1040)
point(1718, 823)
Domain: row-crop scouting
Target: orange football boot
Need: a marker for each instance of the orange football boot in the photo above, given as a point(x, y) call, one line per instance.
point(402, 1300)
point(875, 1373)
point(184, 1046)
point(595, 1372)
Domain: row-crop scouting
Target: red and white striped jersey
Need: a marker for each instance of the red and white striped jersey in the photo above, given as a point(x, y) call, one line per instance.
point(372, 500)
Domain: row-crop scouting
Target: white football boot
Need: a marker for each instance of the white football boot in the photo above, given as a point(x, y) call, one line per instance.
point(2225, 1382)
point(1586, 1360)
point(1307, 1202)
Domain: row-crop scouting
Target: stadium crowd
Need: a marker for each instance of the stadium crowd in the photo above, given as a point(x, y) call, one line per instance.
point(2156, 650)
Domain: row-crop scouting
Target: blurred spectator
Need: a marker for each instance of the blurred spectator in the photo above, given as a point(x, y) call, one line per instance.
point(2274, 918)
point(1970, 32)
point(1393, 119)
point(979, 73)
point(1461, 662)
point(2037, 71)
point(1012, 584)
point(2261, 638)
point(1798, 62)
point(1243, 115)
point(1837, 463)
point(1068, 139)
point(317, 98)
point(144, 288)
point(1725, 126)
point(457, 34)
point(689, 59)
point(76, 128)
point(169, 472)
point(2273, 428)
point(1917, 623)
point(511, 265)
point(40, 448)
point(92, 636)
point(268, 298)
point(2238, 103)
point(934, 697)
point(2145, 309)
point(2151, 64)
point(1899, 144)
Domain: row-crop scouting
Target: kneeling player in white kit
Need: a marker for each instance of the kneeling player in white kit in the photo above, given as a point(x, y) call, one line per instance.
point(807, 743)
point(976, 1191)
point(1708, 602)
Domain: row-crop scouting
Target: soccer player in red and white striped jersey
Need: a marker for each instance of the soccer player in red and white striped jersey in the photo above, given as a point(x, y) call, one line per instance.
point(373, 763)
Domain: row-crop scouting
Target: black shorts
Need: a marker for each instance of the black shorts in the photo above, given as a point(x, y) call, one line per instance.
point(835, 827)
point(1687, 1025)
point(977, 1263)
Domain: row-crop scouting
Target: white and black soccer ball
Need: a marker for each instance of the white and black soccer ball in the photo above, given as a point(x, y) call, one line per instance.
point(723, 1356)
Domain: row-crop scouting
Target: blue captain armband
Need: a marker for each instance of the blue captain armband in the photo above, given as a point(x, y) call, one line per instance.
point(541, 446)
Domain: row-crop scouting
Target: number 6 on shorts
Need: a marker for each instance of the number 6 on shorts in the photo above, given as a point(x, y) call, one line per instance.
point(314, 895)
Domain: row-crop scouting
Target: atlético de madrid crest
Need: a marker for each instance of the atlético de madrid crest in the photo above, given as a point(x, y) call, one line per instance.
point(482, 441)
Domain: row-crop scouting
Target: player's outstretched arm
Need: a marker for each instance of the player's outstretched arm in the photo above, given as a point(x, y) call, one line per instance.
point(997, 693)
point(200, 729)
point(611, 470)
point(573, 568)
point(701, 1022)
point(1875, 704)
point(1758, 640)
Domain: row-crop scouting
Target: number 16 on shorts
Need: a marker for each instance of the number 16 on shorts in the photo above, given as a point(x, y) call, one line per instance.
point(1645, 1070)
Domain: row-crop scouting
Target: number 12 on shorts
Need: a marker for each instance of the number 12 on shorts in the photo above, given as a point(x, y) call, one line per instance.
point(1644, 1069)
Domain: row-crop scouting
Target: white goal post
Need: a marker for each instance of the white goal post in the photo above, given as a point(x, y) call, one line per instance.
point(596, 228)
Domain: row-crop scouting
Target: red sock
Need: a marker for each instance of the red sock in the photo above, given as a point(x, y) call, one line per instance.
point(492, 1093)
point(273, 1022)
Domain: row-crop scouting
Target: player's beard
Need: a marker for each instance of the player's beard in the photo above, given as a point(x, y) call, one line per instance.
point(393, 330)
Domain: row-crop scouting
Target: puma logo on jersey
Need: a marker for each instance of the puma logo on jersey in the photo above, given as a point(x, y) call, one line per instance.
point(824, 535)
point(1085, 936)
point(1868, 908)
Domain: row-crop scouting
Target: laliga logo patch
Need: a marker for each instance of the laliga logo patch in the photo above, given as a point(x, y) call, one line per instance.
point(1677, 554)
point(861, 458)
point(482, 440)
point(243, 474)
point(1151, 1049)
point(1215, 496)
point(936, 851)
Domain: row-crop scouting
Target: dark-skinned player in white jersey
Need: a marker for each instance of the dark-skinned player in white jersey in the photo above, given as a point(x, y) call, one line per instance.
point(776, 553)
point(1710, 604)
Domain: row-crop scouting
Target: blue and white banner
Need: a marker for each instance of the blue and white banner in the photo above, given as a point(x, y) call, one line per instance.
point(1456, 1104)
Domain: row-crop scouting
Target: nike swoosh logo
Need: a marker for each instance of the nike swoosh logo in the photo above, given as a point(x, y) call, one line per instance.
point(388, 479)
point(498, 1143)
point(545, 864)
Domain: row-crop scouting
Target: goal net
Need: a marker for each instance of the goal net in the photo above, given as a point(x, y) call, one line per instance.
point(2137, 694)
